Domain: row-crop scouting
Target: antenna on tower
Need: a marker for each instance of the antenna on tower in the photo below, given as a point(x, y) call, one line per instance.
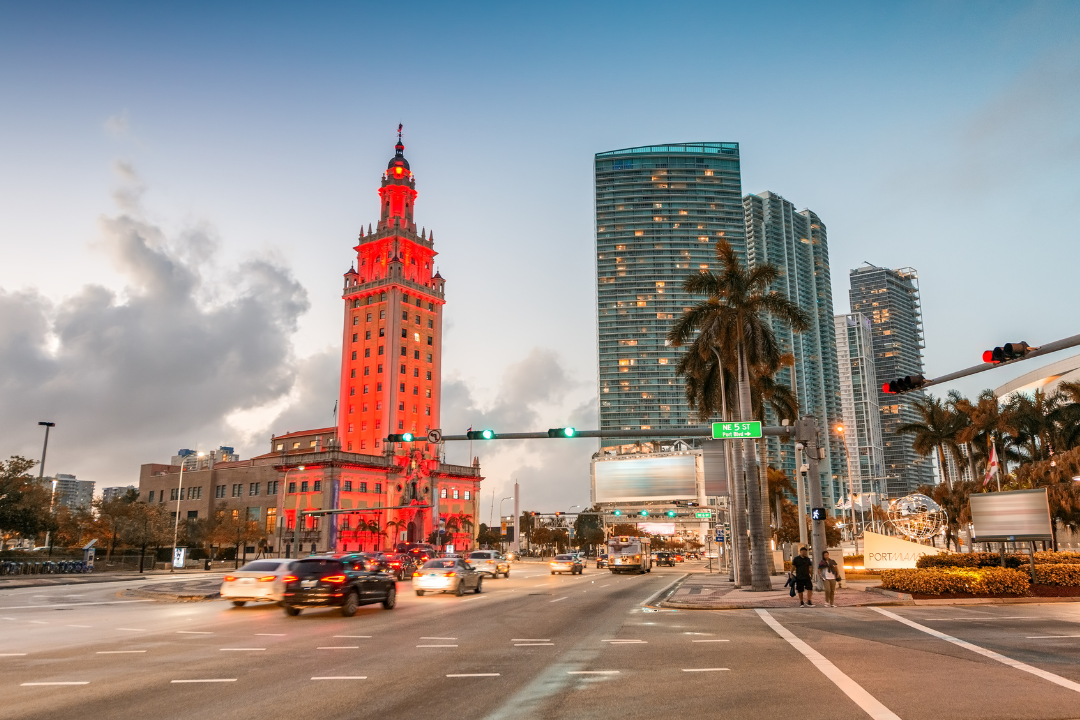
point(399, 126)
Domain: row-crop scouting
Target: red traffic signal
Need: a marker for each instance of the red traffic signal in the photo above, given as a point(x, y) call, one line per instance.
point(1008, 351)
point(904, 384)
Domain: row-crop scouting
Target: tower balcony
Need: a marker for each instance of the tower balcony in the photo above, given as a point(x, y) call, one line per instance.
point(434, 290)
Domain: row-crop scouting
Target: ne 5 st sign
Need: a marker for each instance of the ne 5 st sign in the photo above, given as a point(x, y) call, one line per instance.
point(736, 430)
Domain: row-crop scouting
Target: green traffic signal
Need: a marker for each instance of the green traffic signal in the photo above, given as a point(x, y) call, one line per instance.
point(567, 432)
point(616, 512)
point(671, 513)
point(481, 434)
point(403, 437)
point(644, 513)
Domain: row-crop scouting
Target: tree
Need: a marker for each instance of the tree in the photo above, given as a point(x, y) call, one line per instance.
point(227, 528)
point(114, 518)
point(627, 529)
point(24, 503)
point(780, 488)
point(936, 431)
point(398, 526)
point(988, 424)
point(734, 316)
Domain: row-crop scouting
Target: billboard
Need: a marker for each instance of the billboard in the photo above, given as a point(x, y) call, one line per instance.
point(1015, 515)
point(670, 477)
point(657, 528)
point(882, 551)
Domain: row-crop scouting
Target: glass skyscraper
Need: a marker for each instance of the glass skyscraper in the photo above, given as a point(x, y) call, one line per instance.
point(859, 401)
point(795, 241)
point(890, 299)
point(659, 211)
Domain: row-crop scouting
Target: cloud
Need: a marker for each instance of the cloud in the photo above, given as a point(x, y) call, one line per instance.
point(535, 393)
point(131, 376)
point(119, 126)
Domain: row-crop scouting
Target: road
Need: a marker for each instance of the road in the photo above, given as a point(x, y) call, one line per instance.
point(531, 646)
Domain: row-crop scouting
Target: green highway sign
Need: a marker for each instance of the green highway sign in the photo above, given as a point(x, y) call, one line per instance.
point(736, 430)
point(703, 514)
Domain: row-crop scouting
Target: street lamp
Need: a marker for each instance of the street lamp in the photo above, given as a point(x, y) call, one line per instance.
point(179, 495)
point(41, 474)
point(281, 503)
point(500, 507)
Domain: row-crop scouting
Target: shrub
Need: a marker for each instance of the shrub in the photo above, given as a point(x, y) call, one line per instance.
point(969, 560)
point(1050, 557)
point(938, 581)
point(1061, 574)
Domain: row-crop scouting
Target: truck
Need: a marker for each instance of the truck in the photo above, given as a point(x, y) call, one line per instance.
point(629, 554)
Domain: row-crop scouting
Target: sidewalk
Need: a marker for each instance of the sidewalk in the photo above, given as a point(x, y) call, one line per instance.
point(13, 582)
point(703, 591)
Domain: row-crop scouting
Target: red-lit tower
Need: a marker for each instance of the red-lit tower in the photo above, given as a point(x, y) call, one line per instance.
point(392, 342)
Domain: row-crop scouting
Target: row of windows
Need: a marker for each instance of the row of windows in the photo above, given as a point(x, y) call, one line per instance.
point(454, 493)
point(404, 351)
point(304, 486)
point(188, 493)
point(379, 386)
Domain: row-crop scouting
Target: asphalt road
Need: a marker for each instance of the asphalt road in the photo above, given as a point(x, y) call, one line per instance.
point(531, 646)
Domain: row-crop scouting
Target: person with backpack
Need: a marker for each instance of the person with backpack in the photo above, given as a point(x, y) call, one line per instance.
point(830, 575)
point(802, 565)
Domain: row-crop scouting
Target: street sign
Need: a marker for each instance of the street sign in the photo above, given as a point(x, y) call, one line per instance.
point(719, 538)
point(736, 430)
point(703, 514)
point(434, 436)
point(179, 556)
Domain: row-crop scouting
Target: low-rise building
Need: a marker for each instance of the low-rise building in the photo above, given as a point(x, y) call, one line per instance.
point(115, 493)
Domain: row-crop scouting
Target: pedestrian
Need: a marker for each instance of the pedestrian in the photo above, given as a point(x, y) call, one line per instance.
point(830, 574)
point(803, 566)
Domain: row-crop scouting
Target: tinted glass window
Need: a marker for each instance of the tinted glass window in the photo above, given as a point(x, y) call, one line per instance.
point(320, 566)
point(440, 564)
point(564, 557)
point(262, 566)
point(480, 555)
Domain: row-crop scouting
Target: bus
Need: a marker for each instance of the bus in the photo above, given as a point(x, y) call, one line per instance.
point(629, 554)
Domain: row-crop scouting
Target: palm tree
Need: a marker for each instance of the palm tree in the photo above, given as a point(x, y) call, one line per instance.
point(936, 432)
point(398, 525)
point(990, 425)
point(1066, 415)
point(734, 315)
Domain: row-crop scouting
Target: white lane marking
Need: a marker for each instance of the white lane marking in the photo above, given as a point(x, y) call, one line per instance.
point(194, 632)
point(624, 640)
point(436, 646)
point(474, 675)
point(558, 599)
point(530, 639)
point(339, 647)
point(37, 684)
point(207, 680)
point(979, 619)
point(7, 618)
point(119, 652)
point(1050, 637)
point(270, 634)
point(437, 638)
point(1056, 679)
point(52, 605)
point(593, 672)
point(605, 585)
point(532, 644)
point(697, 633)
point(133, 629)
point(79, 595)
point(353, 636)
point(340, 677)
point(709, 641)
point(38, 622)
point(704, 669)
point(869, 704)
point(79, 626)
point(238, 649)
point(12, 654)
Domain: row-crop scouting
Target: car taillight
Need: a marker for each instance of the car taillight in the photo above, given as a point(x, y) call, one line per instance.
point(268, 578)
point(230, 578)
point(289, 578)
point(449, 574)
point(416, 574)
point(334, 579)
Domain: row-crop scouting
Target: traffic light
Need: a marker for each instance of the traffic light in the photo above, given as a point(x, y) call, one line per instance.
point(693, 504)
point(403, 437)
point(616, 513)
point(1008, 351)
point(562, 432)
point(481, 434)
point(904, 384)
point(558, 513)
point(671, 513)
point(644, 513)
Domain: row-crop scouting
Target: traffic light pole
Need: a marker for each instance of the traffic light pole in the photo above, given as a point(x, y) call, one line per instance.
point(807, 435)
point(983, 367)
point(675, 432)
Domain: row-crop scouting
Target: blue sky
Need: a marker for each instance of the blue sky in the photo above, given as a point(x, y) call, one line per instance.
point(248, 141)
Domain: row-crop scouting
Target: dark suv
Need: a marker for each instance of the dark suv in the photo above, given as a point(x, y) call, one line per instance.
point(665, 558)
point(336, 581)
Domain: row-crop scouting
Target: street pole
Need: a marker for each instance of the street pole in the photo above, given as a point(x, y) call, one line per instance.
point(517, 514)
point(800, 475)
point(41, 475)
point(179, 496)
point(807, 435)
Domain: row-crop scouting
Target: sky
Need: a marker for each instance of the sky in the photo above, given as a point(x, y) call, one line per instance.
point(181, 185)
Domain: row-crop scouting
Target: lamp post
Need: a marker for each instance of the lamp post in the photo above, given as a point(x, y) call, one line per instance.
point(41, 474)
point(500, 508)
point(179, 496)
point(281, 503)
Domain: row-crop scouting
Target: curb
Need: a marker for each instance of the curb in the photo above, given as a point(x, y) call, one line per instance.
point(878, 590)
point(671, 586)
point(40, 582)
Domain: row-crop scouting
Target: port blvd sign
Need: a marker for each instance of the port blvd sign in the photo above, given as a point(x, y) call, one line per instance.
point(736, 430)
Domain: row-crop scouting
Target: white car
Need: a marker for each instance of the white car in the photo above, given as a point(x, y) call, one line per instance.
point(490, 563)
point(258, 581)
point(447, 575)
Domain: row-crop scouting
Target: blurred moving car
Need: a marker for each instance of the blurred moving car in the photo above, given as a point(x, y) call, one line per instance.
point(566, 564)
point(258, 581)
point(512, 557)
point(447, 575)
point(421, 552)
point(665, 558)
point(679, 557)
point(401, 565)
point(490, 562)
point(601, 561)
point(343, 581)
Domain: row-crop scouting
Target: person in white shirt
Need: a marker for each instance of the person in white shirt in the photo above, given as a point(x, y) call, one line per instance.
point(830, 574)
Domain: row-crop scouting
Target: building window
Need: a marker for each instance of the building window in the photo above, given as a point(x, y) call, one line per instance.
point(355, 319)
point(348, 486)
point(427, 391)
point(378, 487)
point(238, 490)
point(378, 387)
point(363, 487)
point(382, 314)
point(280, 447)
point(351, 409)
point(430, 340)
point(416, 372)
point(417, 319)
point(355, 337)
point(367, 335)
point(366, 372)
point(363, 445)
point(428, 374)
point(428, 410)
point(352, 390)
point(363, 425)
point(350, 446)
point(442, 493)
point(455, 494)
point(404, 351)
point(296, 446)
point(400, 424)
point(151, 496)
point(401, 406)
point(377, 424)
point(429, 357)
point(415, 389)
point(253, 488)
point(402, 387)
point(382, 332)
point(405, 314)
point(304, 486)
point(365, 389)
point(369, 317)
point(292, 487)
point(367, 352)
point(192, 514)
point(380, 349)
point(380, 369)
point(430, 323)
point(272, 487)
point(416, 354)
point(402, 370)
point(271, 519)
point(352, 373)
point(353, 354)
point(172, 494)
point(467, 494)
point(430, 306)
point(350, 427)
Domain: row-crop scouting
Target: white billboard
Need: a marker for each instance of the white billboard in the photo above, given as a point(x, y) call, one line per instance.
point(669, 477)
point(657, 528)
point(1015, 515)
point(882, 551)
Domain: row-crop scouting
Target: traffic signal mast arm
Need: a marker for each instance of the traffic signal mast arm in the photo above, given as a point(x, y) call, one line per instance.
point(1045, 349)
point(655, 432)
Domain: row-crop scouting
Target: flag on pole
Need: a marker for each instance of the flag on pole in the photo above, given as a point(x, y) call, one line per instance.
point(992, 468)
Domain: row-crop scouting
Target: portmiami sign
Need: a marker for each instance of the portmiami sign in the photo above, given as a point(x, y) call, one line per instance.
point(883, 552)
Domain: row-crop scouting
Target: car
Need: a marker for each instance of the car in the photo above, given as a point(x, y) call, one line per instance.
point(421, 552)
point(511, 557)
point(665, 558)
point(566, 564)
point(342, 581)
point(258, 581)
point(447, 575)
point(402, 565)
point(679, 557)
point(490, 562)
point(601, 561)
